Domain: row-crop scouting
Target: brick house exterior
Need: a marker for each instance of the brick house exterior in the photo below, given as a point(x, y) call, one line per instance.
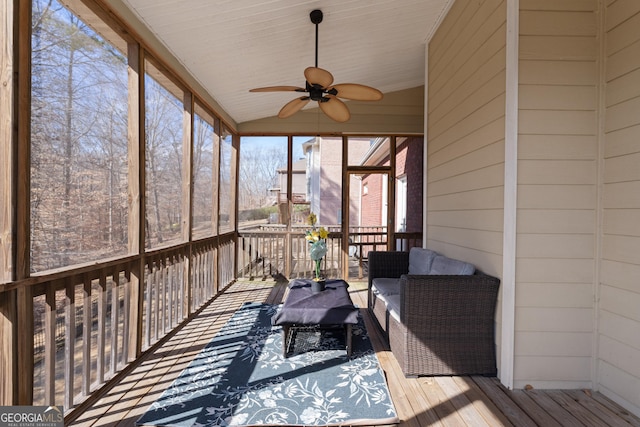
point(409, 163)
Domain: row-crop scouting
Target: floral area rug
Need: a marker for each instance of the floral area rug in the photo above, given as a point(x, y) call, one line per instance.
point(241, 378)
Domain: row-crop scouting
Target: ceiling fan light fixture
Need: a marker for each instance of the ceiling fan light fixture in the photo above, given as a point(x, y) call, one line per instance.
point(318, 84)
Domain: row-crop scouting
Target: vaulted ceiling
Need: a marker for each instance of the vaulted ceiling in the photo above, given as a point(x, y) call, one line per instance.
point(231, 46)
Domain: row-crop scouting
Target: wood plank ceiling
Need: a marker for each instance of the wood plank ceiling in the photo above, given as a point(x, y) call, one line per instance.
point(231, 46)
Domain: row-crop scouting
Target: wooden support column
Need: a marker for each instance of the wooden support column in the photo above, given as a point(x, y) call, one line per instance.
point(187, 166)
point(288, 239)
point(346, 178)
point(7, 138)
point(187, 187)
point(23, 323)
point(136, 165)
point(215, 202)
point(235, 174)
point(7, 196)
point(391, 196)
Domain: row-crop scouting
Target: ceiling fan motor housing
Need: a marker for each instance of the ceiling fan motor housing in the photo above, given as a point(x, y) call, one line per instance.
point(316, 92)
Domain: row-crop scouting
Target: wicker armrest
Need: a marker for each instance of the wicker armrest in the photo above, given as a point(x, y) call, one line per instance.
point(447, 325)
point(387, 264)
point(469, 297)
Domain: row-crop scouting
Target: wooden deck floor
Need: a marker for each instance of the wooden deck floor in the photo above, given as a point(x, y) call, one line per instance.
point(424, 401)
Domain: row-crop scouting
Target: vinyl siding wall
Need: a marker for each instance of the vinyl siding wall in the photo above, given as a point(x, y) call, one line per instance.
point(465, 150)
point(577, 284)
point(619, 292)
point(557, 194)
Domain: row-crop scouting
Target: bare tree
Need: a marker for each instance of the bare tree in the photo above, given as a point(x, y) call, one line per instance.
point(203, 144)
point(259, 174)
point(163, 130)
point(73, 69)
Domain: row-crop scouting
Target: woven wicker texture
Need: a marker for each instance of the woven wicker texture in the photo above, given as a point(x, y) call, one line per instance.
point(447, 322)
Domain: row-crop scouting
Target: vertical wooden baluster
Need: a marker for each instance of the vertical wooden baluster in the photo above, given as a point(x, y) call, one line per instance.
point(86, 336)
point(50, 346)
point(115, 311)
point(126, 314)
point(148, 303)
point(102, 314)
point(113, 330)
point(156, 297)
point(69, 343)
point(172, 288)
point(164, 277)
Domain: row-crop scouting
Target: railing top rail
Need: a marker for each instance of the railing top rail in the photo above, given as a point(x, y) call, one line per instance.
point(69, 272)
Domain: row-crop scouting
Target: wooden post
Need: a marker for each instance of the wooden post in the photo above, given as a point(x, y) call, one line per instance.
point(391, 196)
point(288, 241)
point(235, 184)
point(23, 326)
point(345, 207)
point(215, 205)
point(187, 187)
point(187, 166)
point(136, 229)
point(7, 196)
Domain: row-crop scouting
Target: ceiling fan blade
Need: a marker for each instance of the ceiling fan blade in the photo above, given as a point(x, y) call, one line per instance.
point(335, 109)
point(315, 75)
point(292, 107)
point(357, 92)
point(278, 89)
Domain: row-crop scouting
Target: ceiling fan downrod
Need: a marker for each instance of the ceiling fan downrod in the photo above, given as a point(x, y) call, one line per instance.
point(316, 18)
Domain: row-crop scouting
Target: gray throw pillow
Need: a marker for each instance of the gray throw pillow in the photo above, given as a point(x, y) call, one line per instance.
point(448, 266)
point(420, 260)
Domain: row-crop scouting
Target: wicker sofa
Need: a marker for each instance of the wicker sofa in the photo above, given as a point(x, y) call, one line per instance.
point(436, 324)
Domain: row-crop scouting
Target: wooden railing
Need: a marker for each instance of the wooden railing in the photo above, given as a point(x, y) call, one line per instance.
point(88, 323)
point(79, 321)
point(80, 327)
point(272, 250)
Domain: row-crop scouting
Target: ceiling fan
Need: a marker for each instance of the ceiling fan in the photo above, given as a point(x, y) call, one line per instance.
point(320, 88)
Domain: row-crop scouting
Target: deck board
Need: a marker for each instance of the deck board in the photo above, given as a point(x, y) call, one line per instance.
point(483, 405)
point(533, 410)
point(422, 401)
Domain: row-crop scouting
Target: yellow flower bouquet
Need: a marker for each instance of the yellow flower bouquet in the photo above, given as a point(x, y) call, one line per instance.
point(317, 238)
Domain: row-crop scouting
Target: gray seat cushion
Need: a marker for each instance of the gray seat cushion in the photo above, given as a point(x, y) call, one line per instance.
point(385, 286)
point(449, 266)
point(421, 260)
point(393, 306)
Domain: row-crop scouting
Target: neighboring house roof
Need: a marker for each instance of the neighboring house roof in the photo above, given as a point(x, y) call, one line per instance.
point(298, 166)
